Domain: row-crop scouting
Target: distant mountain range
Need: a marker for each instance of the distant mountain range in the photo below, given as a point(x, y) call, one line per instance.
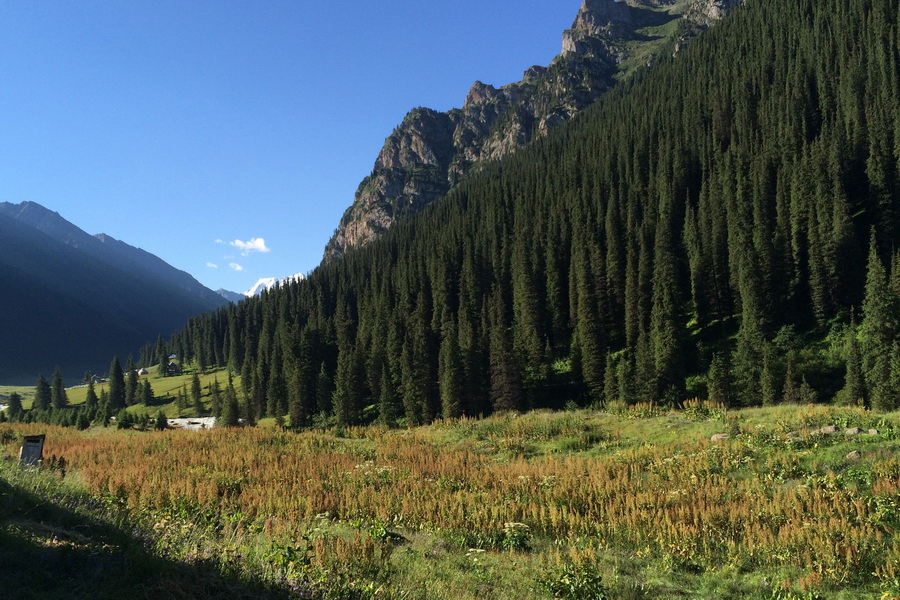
point(73, 300)
point(263, 284)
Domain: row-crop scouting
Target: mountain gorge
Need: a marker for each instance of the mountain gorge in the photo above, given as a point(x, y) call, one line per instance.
point(431, 151)
point(74, 300)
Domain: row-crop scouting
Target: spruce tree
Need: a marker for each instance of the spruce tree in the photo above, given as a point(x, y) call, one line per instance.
point(196, 395)
point(389, 405)
point(58, 397)
point(82, 421)
point(610, 380)
point(91, 400)
point(216, 398)
point(807, 394)
point(347, 396)
point(790, 393)
point(666, 319)
point(506, 383)
point(103, 413)
point(720, 380)
point(116, 386)
point(451, 372)
point(230, 410)
point(42, 394)
point(14, 408)
point(854, 391)
point(767, 386)
point(146, 393)
point(324, 390)
point(181, 400)
point(250, 408)
point(162, 360)
point(297, 405)
point(131, 383)
point(877, 330)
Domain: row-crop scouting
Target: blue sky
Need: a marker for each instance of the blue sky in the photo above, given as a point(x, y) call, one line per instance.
point(234, 133)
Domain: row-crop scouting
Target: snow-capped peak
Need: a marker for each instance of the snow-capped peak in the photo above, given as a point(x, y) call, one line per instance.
point(266, 283)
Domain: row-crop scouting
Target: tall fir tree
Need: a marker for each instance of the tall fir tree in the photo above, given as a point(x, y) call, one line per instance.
point(877, 330)
point(146, 395)
point(131, 383)
point(91, 400)
point(389, 404)
point(231, 413)
point(196, 395)
point(58, 397)
point(348, 394)
point(116, 386)
point(768, 387)
point(42, 395)
point(854, 391)
point(720, 380)
point(450, 371)
point(14, 407)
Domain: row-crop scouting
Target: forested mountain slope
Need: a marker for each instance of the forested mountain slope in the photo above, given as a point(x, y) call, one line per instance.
point(705, 230)
point(431, 151)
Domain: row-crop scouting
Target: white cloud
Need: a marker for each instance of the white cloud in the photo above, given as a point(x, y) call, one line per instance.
point(253, 245)
point(236, 267)
point(212, 265)
point(220, 241)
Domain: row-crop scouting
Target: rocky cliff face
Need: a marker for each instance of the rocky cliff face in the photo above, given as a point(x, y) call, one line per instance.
point(430, 151)
point(704, 12)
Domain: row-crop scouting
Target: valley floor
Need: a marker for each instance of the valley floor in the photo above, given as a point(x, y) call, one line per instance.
point(798, 502)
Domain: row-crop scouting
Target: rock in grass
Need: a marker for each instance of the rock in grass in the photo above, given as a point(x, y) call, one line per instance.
point(828, 430)
point(853, 431)
point(855, 455)
point(719, 437)
point(873, 432)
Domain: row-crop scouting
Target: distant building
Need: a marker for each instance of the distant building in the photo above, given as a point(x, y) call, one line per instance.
point(143, 371)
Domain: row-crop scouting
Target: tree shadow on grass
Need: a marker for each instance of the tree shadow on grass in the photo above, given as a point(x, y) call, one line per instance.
point(50, 552)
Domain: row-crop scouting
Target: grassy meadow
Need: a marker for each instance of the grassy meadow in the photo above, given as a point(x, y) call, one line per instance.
point(579, 505)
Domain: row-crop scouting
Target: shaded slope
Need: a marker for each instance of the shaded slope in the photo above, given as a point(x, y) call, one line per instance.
point(111, 251)
point(63, 307)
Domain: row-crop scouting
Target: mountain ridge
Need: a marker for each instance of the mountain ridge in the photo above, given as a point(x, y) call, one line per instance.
point(106, 248)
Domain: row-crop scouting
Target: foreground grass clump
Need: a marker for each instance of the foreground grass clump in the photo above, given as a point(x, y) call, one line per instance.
point(636, 504)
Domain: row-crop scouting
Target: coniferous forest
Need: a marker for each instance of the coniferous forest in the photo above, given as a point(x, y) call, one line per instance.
point(724, 226)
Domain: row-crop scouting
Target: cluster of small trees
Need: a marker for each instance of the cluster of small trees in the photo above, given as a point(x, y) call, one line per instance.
point(51, 403)
point(82, 417)
point(125, 388)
